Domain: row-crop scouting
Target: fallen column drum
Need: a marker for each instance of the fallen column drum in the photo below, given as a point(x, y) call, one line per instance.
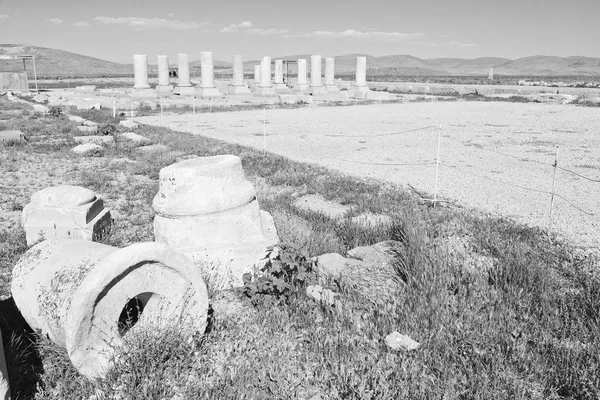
point(87, 296)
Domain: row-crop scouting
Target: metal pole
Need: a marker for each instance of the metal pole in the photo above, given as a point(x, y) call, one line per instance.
point(115, 107)
point(35, 75)
point(264, 130)
point(437, 166)
point(131, 108)
point(162, 118)
point(553, 186)
point(194, 111)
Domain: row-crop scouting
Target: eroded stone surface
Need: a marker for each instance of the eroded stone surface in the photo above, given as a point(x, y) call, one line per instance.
point(76, 292)
point(64, 211)
point(206, 208)
point(88, 149)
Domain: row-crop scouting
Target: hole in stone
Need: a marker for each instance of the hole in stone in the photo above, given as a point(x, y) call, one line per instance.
point(131, 313)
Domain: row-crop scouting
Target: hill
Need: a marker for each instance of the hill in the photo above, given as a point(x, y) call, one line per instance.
point(54, 62)
point(59, 62)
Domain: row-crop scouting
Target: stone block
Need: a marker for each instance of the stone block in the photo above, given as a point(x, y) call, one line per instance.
point(134, 137)
point(207, 209)
point(378, 96)
point(97, 139)
point(208, 92)
point(84, 128)
point(295, 99)
point(185, 90)
point(265, 92)
point(88, 150)
point(128, 124)
point(88, 297)
point(85, 88)
point(11, 136)
point(64, 211)
point(239, 90)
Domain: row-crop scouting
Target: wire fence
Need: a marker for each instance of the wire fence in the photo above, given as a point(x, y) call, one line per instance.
point(269, 122)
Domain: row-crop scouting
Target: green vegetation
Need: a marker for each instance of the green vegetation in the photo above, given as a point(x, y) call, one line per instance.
point(501, 310)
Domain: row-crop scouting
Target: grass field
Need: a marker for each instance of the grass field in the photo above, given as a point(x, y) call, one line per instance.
point(501, 310)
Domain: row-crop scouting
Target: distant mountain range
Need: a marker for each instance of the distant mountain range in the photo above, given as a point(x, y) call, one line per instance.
point(54, 62)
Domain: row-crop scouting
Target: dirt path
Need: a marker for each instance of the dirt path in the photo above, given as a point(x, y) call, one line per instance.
point(496, 157)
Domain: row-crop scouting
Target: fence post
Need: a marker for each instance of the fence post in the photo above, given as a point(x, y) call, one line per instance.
point(437, 166)
point(553, 186)
point(131, 108)
point(264, 129)
point(194, 111)
point(162, 118)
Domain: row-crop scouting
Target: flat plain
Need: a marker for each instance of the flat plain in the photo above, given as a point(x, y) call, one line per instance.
point(496, 157)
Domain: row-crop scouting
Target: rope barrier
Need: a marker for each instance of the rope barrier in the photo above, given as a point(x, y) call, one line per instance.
point(579, 175)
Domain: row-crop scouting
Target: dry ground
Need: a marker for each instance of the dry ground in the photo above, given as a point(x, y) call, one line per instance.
point(496, 157)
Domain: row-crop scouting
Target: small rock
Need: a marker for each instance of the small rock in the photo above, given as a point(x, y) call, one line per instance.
point(128, 124)
point(84, 128)
point(39, 98)
point(88, 150)
point(398, 341)
point(40, 108)
point(76, 119)
point(331, 264)
point(318, 293)
point(134, 137)
point(154, 148)
point(98, 139)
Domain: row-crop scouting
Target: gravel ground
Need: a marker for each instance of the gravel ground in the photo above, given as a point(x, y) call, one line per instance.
point(496, 157)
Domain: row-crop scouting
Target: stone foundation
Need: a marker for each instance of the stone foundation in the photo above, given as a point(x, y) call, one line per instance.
point(65, 212)
point(207, 209)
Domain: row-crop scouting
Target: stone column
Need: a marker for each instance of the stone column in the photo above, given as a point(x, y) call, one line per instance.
point(278, 81)
point(330, 75)
point(238, 71)
point(163, 74)
point(316, 86)
point(265, 87)
point(183, 70)
point(237, 83)
point(302, 83)
point(361, 74)
point(184, 86)
point(207, 88)
point(140, 71)
point(257, 73)
point(265, 73)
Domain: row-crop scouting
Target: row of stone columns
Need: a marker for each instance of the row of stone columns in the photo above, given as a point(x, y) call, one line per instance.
point(262, 75)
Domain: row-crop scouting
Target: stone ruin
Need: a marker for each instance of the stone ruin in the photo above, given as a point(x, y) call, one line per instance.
point(88, 296)
point(207, 209)
point(65, 211)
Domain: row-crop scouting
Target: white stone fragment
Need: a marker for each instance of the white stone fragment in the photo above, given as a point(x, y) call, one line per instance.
point(207, 209)
point(87, 297)
point(64, 212)
point(88, 149)
point(397, 341)
point(128, 124)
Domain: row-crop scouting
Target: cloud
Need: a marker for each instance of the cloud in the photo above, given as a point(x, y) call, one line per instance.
point(138, 23)
point(366, 34)
point(459, 44)
point(81, 24)
point(4, 16)
point(272, 31)
point(170, 15)
point(234, 28)
point(54, 21)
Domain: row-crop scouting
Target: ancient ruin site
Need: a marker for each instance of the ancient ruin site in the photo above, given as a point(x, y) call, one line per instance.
point(183, 216)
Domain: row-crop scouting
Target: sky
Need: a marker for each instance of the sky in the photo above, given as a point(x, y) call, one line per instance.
point(114, 30)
